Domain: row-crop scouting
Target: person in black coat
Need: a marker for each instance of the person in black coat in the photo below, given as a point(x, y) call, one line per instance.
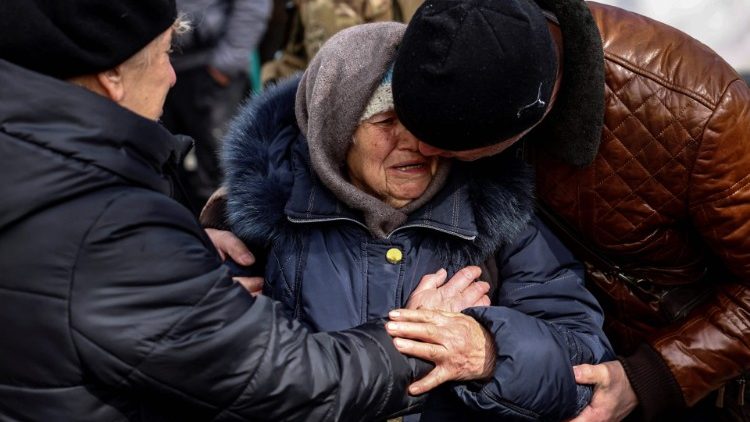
point(113, 301)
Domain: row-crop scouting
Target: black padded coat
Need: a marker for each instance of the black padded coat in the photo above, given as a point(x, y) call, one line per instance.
point(114, 304)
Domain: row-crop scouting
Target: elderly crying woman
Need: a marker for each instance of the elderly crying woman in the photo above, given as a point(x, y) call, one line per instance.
point(325, 181)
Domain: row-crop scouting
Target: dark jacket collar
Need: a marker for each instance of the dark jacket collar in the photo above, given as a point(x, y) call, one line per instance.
point(82, 125)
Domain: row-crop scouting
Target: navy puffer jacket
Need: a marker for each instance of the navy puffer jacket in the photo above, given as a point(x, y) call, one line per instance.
point(330, 273)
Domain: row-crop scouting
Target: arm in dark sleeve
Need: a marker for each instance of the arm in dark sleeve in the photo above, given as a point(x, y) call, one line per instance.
point(544, 321)
point(154, 311)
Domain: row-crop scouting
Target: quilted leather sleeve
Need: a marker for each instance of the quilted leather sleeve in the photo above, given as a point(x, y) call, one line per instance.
point(720, 196)
point(713, 345)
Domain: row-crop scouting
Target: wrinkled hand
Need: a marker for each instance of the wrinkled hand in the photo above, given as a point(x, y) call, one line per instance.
point(459, 293)
point(613, 399)
point(231, 246)
point(458, 345)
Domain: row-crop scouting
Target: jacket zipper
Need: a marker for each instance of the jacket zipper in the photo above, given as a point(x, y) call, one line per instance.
point(741, 394)
point(351, 220)
point(325, 220)
point(424, 226)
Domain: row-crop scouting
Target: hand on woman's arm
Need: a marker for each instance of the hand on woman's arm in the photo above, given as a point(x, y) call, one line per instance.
point(458, 345)
point(230, 246)
point(459, 293)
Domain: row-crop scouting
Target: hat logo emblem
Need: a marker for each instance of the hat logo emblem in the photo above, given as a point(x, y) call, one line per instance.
point(536, 102)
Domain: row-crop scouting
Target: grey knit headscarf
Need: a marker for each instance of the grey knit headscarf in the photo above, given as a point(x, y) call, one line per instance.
point(331, 98)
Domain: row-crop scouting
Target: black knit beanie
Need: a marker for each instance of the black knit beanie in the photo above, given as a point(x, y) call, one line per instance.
point(471, 73)
point(66, 38)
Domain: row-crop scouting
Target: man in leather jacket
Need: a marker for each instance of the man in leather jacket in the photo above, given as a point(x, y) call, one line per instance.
point(642, 168)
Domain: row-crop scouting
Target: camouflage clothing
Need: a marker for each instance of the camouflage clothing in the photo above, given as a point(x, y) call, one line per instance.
point(315, 21)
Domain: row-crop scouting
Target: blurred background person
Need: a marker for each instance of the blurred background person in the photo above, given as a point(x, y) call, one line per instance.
point(212, 64)
point(309, 23)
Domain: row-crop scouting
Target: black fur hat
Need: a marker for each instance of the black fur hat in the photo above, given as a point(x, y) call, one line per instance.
point(76, 37)
point(470, 73)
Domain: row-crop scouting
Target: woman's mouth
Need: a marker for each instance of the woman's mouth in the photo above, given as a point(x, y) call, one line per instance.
point(408, 167)
point(413, 166)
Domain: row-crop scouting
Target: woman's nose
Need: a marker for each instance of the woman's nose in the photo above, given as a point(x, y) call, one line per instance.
point(406, 139)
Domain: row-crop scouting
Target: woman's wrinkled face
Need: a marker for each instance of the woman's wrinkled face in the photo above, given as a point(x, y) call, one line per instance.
point(384, 161)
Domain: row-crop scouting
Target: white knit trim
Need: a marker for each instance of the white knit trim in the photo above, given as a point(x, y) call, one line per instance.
point(381, 101)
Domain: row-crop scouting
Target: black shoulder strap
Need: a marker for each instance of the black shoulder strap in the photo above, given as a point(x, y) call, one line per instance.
point(573, 240)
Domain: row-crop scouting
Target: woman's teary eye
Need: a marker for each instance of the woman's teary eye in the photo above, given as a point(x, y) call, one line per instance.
point(384, 121)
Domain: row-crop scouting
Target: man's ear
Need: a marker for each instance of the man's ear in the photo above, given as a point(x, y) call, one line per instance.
point(111, 82)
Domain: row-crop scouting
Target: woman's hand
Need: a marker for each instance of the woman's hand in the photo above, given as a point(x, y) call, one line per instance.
point(459, 293)
point(229, 245)
point(459, 346)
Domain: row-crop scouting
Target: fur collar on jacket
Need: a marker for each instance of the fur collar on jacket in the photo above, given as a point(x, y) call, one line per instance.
point(260, 177)
point(573, 129)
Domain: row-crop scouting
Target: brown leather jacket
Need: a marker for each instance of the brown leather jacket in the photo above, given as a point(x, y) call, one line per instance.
point(662, 215)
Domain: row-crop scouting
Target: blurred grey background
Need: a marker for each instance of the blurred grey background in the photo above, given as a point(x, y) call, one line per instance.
point(723, 25)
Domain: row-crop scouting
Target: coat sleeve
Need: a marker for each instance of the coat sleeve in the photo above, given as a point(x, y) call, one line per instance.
point(544, 321)
point(710, 346)
point(154, 314)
